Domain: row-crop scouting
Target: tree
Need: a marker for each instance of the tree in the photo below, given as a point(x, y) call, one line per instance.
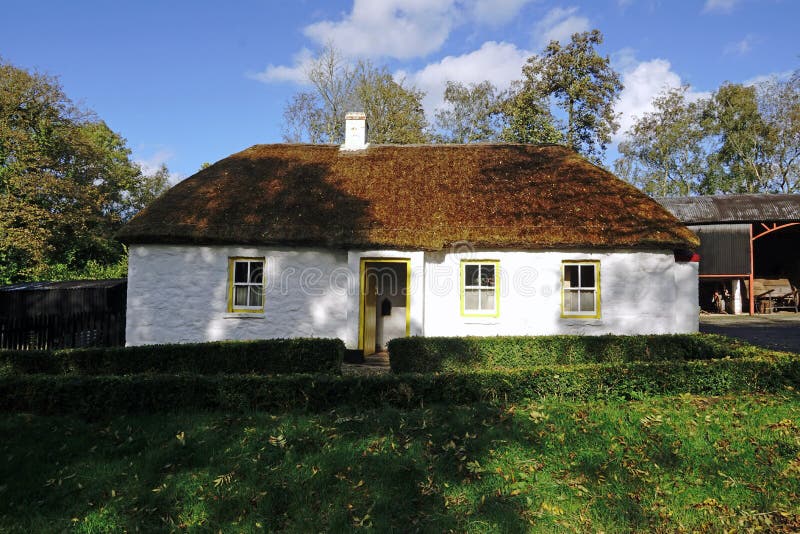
point(471, 113)
point(583, 85)
point(394, 111)
point(741, 163)
point(664, 152)
point(66, 180)
point(779, 102)
point(527, 118)
point(743, 139)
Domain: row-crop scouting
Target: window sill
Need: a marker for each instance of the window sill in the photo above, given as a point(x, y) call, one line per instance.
point(582, 321)
point(481, 320)
point(243, 315)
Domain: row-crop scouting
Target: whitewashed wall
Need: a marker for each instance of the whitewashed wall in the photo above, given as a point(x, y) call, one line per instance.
point(178, 294)
point(641, 293)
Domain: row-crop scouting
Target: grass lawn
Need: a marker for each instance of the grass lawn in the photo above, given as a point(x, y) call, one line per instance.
point(661, 464)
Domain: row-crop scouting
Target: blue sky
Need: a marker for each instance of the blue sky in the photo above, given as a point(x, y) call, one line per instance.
point(193, 81)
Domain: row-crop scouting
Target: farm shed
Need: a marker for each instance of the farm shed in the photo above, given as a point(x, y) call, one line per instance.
point(63, 314)
point(369, 242)
point(743, 238)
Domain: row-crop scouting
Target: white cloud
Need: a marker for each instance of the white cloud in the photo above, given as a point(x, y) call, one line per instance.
point(152, 164)
point(720, 6)
point(496, 12)
point(740, 47)
point(761, 78)
point(400, 29)
point(500, 63)
point(296, 73)
point(643, 82)
point(558, 25)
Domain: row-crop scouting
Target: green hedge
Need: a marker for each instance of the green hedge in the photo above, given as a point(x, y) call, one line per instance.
point(433, 354)
point(97, 396)
point(270, 356)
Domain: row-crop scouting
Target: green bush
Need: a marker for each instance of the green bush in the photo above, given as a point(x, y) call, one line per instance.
point(433, 354)
point(97, 396)
point(269, 356)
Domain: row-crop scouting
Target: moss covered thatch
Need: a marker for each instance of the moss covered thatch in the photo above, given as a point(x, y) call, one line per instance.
point(408, 197)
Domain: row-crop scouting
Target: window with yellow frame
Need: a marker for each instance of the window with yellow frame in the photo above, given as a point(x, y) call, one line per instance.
point(580, 289)
point(480, 288)
point(246, 285)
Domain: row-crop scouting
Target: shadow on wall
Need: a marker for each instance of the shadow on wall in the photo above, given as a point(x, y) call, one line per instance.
point(160, 303)
point(270, 201)
point(268, 204)
point(594, 212)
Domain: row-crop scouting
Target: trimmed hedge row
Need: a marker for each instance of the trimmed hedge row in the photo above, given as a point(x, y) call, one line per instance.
point(434, 354)
point(269, 356)
point(97, 396)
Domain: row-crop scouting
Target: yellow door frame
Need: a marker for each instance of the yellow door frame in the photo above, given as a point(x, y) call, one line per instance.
point(363, 294)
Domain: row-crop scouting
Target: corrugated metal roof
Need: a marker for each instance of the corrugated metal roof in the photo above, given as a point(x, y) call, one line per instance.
point(734, 208)
point(69, 284)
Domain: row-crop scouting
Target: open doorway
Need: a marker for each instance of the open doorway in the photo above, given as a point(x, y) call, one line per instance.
point(385, 309)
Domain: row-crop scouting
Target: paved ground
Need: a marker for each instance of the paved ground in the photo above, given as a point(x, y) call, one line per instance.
point(780, 331)
point(378, 363)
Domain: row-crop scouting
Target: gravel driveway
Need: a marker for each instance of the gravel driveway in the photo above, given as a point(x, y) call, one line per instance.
point(780, 331)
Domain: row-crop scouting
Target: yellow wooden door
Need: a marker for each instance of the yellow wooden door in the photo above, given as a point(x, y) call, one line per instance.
point(369, 312)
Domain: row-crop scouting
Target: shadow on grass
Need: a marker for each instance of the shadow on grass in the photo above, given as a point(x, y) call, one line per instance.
point(461, 468)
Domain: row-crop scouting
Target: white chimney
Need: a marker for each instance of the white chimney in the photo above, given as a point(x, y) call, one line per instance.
point(355, 133)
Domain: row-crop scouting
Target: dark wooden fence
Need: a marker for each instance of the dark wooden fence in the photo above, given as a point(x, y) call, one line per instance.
point(57, 331)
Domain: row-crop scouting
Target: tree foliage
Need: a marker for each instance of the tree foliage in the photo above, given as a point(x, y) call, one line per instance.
point(584, 87)
point(741, 161)
point(664, 153)
point(66, 180)
point(780, 106)
point(337, 86)
point(395, 111)
point(742, 139)
point(471, 113)
point(527, 117)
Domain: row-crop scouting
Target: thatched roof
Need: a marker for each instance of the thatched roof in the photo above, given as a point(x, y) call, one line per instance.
point(408, 197)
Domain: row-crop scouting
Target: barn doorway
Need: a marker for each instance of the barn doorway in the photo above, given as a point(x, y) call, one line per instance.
point(385, 309)
point(776, 254)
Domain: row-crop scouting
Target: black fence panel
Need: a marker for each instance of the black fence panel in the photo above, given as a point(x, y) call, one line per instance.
point(57, 331)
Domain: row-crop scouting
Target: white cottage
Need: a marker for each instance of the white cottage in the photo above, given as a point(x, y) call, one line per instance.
point(368, 243)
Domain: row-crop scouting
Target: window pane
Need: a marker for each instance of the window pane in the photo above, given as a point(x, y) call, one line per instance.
point(587, 275)
point(487, 299)
point(487, 275)
point(570, 276)
point(471, 275)
point(570, 301)
point(587, 301)
point(240, 272)
point(256, 272)
point(256, 296)
point(240, 296)
point(471, 297)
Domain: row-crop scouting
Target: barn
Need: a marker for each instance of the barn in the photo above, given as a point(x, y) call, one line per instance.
point(749, 248)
